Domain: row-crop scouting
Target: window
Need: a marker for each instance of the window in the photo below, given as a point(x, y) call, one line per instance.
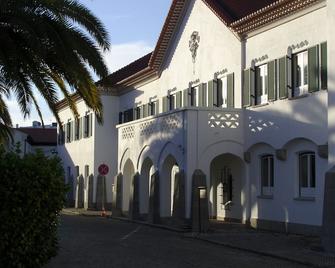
point(87, 171)
point(77, 129)
point(267, 174)
point(172, 102)
point(262, 84)
point(307, 174)
point(300, 73)
point(77, 171)
point(138, 112)
point(87, 125)
point(222, 93)
point(152, 108)
point(194, 96)
point(128, 115)
point(68, 132)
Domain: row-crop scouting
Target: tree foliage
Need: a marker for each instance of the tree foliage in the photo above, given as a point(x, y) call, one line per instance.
point(52, 45)
point(32, 193)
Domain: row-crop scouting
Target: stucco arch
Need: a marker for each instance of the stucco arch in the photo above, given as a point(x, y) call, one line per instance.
point(146, 171)
point(125, 156)
point(298, 140)
point(144, 154)
point(170, 149)
point(128, 173)
point(260, 144)
point(219, 148)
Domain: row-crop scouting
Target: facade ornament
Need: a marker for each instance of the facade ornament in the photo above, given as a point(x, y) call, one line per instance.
point(194, 45)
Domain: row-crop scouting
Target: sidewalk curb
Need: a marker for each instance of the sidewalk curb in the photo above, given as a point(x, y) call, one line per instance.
point(258, 252)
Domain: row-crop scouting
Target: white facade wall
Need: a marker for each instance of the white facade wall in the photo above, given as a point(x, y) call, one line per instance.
point(191, 137)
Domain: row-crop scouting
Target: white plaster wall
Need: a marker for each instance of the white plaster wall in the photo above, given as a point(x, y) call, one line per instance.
point(219, 49)
point(106, 140)
point(284, 207)
point(329, 27)
point(81, 152)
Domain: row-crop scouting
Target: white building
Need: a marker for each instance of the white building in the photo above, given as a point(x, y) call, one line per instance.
point(240, 90)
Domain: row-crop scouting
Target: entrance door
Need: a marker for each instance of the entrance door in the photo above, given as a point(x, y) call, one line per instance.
point(224, 191)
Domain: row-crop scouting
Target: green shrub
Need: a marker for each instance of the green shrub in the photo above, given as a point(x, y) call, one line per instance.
point(32, 193)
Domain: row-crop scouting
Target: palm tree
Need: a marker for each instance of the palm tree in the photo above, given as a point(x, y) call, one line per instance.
point(52, 45)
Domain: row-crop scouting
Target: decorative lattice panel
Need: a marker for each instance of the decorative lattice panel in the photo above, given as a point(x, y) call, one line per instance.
point(171, 122)
point(223, 120)
point(128, 133)
point(147, 128)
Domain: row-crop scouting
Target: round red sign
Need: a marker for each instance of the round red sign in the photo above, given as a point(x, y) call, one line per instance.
point(103, 170)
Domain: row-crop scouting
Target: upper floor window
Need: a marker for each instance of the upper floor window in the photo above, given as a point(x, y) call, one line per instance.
point(262, 84)
point(137, 112)
point(88, 125)
point(267, 174)
point(69, 132)
point(87, 171)
point(128, 115)
point(172, 102)
point(300, 73)
point(153, 108)
point(194, 96)
point(77, 129)
point(307, 174)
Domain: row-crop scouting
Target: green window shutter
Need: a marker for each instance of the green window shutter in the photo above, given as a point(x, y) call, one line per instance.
point(313, 69)
point(324, 71)
point(272, 80)
point(90, 130)
point(179, 99)
point(80, 128)
point(282, 66)
point(210, 93)
point(202, 95)
point(165, 104)
point(219, 97)
point(157, 107)
point(145, 108)
point(246, 101)
point(216, 85)
point(230, 91)
point(186, 97)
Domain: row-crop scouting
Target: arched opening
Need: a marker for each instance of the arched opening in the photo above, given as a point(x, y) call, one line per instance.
point(226, 185)
point(128, 174)
point(147, 170)
point(169, 170)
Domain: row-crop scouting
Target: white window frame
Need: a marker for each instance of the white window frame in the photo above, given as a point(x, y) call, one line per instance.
point(301, 86)
point(263, 99)
point(308, 191)
point(267, 190)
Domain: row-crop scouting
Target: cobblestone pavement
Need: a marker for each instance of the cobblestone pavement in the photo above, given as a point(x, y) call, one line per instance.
point(100, 242)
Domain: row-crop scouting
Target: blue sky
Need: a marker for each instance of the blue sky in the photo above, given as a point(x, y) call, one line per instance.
point(134, 27)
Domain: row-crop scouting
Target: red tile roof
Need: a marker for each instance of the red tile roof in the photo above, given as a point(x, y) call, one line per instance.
point(127, 71)
point(41, 136)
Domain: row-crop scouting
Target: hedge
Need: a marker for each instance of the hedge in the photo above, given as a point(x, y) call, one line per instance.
point(32, 193)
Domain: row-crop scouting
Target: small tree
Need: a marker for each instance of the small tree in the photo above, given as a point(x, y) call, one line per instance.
point(32, 194)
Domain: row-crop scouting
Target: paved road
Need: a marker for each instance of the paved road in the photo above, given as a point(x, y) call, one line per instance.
point(98, 242)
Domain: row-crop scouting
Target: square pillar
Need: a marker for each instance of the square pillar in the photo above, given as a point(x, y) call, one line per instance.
point(134, 202)
point(154, 203)
point(199, 213)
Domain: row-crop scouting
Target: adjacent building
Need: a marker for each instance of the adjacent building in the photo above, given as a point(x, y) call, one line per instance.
point(240, 91)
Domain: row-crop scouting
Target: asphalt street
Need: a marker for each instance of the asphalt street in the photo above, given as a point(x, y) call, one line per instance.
point(100, 242)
